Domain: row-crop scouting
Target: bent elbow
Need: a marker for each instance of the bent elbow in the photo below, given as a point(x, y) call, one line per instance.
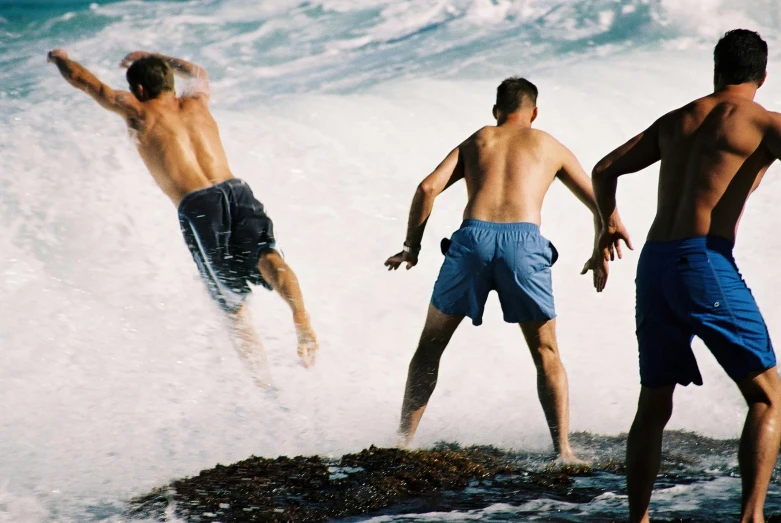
point(601, 171)
point(427, 189)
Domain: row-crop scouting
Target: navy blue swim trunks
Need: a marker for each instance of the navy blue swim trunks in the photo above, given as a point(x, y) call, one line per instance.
point(688, 288)
point(226, 229)
point(511, 258)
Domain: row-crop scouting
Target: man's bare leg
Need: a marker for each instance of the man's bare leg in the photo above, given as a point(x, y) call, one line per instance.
point(552, 386)
point(249, 348)
point(424, 369)
point(760, 440)
point(644, 448)
point(282, 279)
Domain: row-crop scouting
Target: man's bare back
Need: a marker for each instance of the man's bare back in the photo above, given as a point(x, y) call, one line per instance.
point(227, 230)
point(714, 153)
point(179, 142)
point(508, 170)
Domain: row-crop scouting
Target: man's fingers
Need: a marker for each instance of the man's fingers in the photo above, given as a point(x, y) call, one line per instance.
point(628, 241)
point(618, 250)
point(56, 53)
point(392, 263)
point(129, 58)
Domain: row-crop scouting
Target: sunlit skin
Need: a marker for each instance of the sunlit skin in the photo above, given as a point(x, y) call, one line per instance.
point(508, 169)
point(179, 142)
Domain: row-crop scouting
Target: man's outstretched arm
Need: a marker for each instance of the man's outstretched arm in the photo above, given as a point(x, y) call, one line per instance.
point(180, 67)
point(121, 102)
point(635, 155)
point(446, 174)
point(577, 181)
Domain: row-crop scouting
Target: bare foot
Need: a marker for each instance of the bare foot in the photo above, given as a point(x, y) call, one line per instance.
point(569, 464)
point(571, 459)
point(263, 383)
point(403, 441)
point(259, 369)
point(307, 344)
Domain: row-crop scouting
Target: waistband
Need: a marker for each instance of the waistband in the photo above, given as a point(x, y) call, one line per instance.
point(227, 184)
point(501, 227)
point(697, 243)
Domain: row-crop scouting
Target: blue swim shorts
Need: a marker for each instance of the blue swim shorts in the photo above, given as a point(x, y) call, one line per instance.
point(688, 288)
point(511, 258)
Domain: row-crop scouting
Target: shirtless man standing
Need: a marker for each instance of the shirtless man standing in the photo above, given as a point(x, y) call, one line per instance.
point(227, 230)
point(508, 170)
point(714, 152)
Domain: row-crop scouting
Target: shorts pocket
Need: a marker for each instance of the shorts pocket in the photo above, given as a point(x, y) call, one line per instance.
point(554, 253)
point(699, 282)
point(458, 245)
point(534, 257)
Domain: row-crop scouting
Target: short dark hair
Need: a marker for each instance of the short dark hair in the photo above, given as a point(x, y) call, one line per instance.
point(740, 57)
point(153, 74)
point(515, 92)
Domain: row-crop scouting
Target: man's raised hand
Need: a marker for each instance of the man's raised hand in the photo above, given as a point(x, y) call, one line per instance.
point(54, 54)
point(128, 60)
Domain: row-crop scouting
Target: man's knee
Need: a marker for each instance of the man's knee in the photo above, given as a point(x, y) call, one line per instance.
point(762, 387)
point(270, 257)
point(545, 354)
point(272, 266)
point(655, 405)
point(430, 349)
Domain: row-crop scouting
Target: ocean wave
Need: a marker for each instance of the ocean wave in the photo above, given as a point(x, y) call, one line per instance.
point(343, 45)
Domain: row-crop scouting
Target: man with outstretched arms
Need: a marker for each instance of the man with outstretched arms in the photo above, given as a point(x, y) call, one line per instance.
point(226, 229)
point(714, 152)
point(508, 169)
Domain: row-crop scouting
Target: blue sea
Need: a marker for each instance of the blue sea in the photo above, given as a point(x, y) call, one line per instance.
point(117, 373)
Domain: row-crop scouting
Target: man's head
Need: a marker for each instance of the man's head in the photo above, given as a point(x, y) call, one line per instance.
point(516, 96)
point(739, 57)
point(150, 76)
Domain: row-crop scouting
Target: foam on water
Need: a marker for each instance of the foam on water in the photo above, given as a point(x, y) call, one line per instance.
point(118, 374)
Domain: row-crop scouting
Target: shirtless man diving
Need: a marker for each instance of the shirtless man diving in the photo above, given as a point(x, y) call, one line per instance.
point(714, 152)
point(226, 229)
point(508, 170)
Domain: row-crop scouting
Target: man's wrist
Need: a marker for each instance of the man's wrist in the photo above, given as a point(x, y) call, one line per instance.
point(410, 248)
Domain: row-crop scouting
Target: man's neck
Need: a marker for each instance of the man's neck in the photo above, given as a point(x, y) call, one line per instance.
point(164, 97)
point(747, 90)
point(519, 119)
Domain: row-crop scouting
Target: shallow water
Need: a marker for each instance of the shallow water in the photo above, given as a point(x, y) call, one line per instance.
point(118, 375)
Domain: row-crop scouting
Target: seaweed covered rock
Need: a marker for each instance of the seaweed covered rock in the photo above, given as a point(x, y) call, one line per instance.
point(385, 481)
point(311, 489)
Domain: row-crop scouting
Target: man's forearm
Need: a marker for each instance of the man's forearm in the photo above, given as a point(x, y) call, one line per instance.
point(605, 195)
point(598, 224)
point(74, 72)
point(78, 76)
point(420, 210)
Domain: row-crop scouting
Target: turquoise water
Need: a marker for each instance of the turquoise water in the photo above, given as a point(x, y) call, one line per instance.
point(118, 374)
